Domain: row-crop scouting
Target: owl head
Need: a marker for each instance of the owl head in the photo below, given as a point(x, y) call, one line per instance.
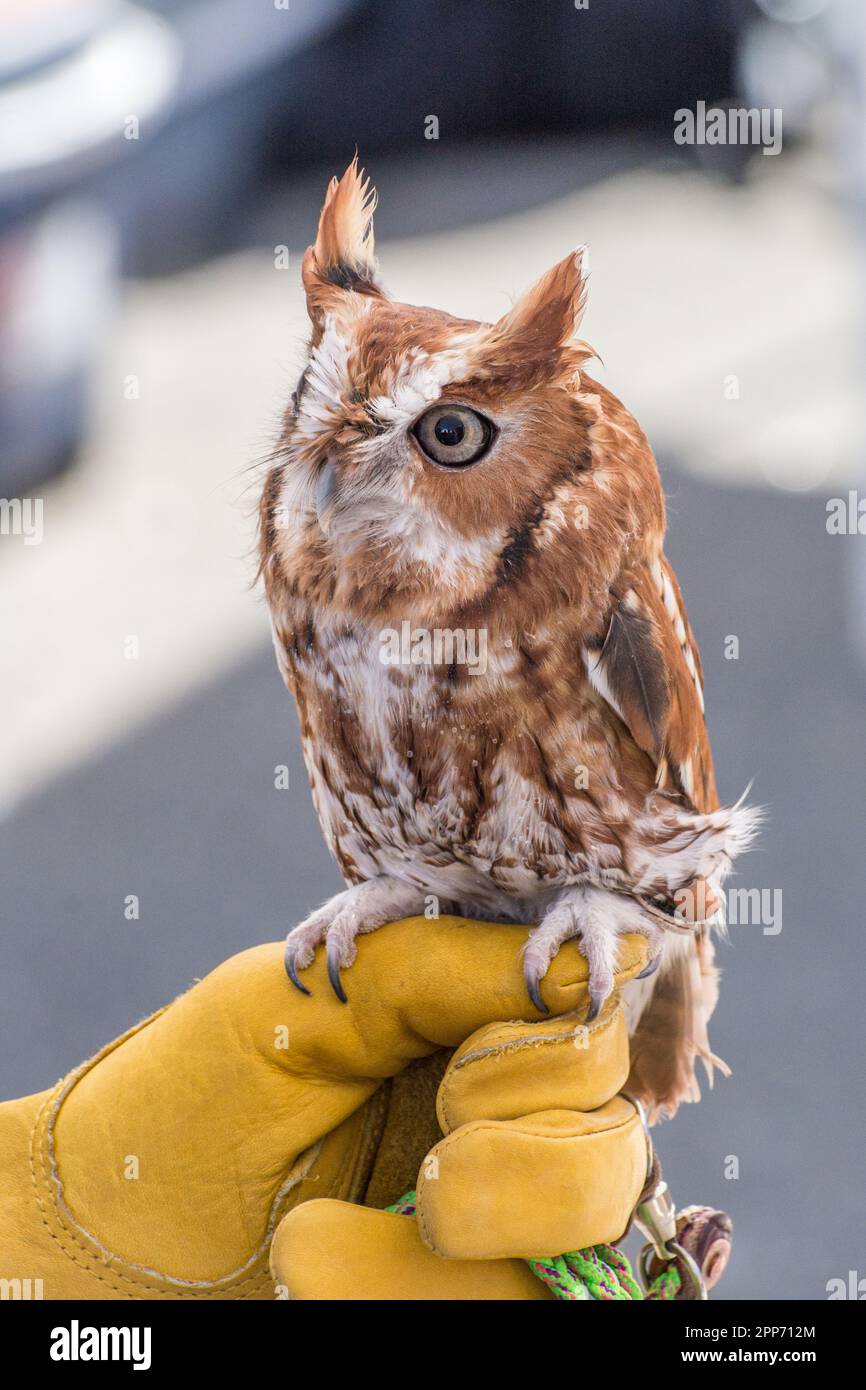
point(427, 457)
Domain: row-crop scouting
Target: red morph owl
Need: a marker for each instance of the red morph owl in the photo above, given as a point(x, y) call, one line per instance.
point(499, 692)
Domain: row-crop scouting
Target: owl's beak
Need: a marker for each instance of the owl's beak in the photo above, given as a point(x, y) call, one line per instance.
point(326, 495)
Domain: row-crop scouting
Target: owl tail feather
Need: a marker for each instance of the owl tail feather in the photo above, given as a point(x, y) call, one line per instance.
point(671, 1034)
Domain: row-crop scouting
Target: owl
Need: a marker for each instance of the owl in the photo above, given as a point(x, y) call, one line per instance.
point(500, 696)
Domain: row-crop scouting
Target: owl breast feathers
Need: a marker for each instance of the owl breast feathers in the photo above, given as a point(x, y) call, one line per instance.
point(499, 693)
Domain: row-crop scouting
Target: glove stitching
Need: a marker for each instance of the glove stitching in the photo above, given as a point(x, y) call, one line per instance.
point(512, 1046)
point(50, 1190)
point(515, 1044)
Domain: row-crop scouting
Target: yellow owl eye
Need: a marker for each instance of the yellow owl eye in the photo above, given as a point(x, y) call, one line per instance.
point(453, 435)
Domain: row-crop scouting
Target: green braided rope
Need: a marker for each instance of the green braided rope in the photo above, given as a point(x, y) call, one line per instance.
point(601, 1272)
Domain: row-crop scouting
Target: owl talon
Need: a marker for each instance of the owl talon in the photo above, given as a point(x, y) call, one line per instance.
point(332, 953)
point(289, 959)
point(649, 969)
point(533, 989)
point(597, 998)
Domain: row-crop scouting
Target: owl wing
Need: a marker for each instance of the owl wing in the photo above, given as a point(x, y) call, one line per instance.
point(644, 662)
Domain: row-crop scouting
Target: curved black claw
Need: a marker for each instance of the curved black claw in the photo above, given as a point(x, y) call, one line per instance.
point(533, 989)
point(596, 999)
point(292, 969)
point(334, 972)
point(649, 969)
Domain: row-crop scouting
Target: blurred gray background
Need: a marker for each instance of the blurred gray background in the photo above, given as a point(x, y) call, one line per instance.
point(148, 343)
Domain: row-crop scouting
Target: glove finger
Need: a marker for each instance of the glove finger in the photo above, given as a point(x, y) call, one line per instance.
point(506, 1070)
point(327, 1250)
point(542, 1185)
point(417, 985)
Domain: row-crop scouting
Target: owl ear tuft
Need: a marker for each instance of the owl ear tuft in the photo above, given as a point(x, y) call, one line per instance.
point(342, 259)
point(548, 315)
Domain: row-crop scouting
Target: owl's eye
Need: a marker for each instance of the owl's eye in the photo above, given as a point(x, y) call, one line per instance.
point(453, 435)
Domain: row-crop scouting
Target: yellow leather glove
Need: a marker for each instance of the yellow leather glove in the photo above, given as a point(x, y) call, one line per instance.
point(163, 1167)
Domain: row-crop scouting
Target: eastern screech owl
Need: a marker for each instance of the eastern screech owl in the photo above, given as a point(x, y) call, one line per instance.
point(499, 692)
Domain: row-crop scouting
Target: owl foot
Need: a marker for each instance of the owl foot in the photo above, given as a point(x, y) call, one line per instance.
point(339, 921)
point(598, 918)
point(686, 849)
